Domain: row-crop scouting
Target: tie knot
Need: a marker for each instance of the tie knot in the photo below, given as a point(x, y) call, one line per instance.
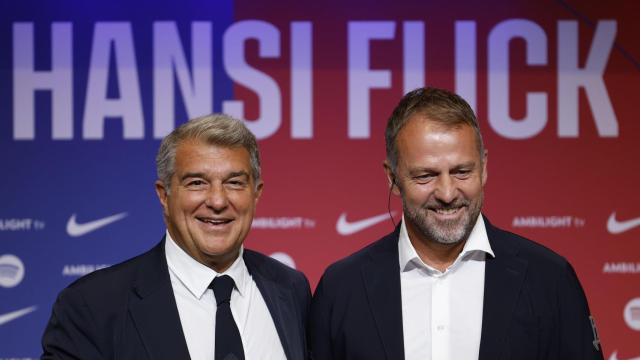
point(222, 287)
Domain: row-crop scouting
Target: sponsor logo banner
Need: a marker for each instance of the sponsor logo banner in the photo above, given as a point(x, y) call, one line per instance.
point(632, 314)
point(621, 267)
point(13, 315)
point(614, 356)
point(566, 221)
point(283, 222)
point(615, 226)
point(76, 229)
point(76, 270)
point(346, 227)
point(86, 98)
point(284, 258)
point(11, 271)
point(24, 224)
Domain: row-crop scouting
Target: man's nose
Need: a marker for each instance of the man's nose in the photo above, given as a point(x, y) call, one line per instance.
point(446, 190)
point(217, 198)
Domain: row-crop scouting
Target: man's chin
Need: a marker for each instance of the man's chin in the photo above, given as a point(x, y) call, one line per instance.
point(448, 240)
point(220, 253)
point(216, 246)
point(446, 234)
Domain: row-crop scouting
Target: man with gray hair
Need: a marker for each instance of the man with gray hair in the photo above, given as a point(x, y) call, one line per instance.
point(446, 284)
point(199, 293)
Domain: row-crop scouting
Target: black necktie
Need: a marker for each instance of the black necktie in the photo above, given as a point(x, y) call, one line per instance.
point(228, 342)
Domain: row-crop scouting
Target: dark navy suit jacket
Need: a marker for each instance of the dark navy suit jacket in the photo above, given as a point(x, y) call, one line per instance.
point(534, 306)
point(128, 311)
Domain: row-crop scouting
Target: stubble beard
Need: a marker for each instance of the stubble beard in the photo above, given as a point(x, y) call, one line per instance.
point(448, 232)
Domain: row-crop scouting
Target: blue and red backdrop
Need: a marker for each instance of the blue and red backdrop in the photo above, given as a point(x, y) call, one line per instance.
point(87, 89)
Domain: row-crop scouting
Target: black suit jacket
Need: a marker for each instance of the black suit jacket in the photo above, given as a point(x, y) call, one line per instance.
point(128, 311)
point(534, 306)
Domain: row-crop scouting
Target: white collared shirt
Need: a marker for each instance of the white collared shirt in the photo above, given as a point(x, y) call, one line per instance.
point(197, 307)
point(442, 311)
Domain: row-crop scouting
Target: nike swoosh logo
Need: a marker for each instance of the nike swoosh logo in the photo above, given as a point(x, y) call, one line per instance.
point(74, 229)
point(614, 356)
point(345, 228)
point(10, 316)
point(617, 227)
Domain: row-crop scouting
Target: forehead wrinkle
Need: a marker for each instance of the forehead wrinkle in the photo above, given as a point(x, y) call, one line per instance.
point(210, 162)
point(432, 147)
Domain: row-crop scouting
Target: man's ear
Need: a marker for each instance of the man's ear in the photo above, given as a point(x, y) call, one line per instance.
point(485, 158)
point(259, 187)
point(391, 178)
point(163, 194)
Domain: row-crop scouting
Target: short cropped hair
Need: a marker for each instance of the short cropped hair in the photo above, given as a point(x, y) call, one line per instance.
point(437, 105)
point(215, 129)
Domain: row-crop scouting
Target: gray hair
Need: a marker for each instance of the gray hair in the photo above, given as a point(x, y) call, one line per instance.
point(437, 105)
point(214, 129)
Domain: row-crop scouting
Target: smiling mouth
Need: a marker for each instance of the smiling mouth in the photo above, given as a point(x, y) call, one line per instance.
point(447, 212)
point(215, 222)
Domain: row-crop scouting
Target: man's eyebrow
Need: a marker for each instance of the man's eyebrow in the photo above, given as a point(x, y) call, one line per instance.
point(427, 169)
point(237, 174)
point(192, 175)
point(466, 165)
point(422, 169)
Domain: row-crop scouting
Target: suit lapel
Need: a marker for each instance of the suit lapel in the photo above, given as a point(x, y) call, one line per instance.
point(504, 275)
point(381, 276)
point(154, 311)
point(281, 305)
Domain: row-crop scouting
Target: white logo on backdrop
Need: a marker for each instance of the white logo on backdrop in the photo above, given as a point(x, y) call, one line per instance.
point(11, 270)
point(621, 268)
point(23, 224)
point(284, 258)
point(614, 356)
point(10, 316)
point(75, 229)
point(81, 269)
point(615, 226)
point(363, 77)
point(345, 227)
point(283, 222)
point(564, 221)
point(632, 314)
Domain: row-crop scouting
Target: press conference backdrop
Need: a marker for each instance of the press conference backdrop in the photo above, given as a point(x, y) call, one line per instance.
point(87, 89)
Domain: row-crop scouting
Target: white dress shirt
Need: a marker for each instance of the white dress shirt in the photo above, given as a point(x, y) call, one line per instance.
point(442, 311)
point(197, 307)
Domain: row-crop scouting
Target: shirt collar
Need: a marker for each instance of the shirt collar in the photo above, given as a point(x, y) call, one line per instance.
point(478, 241)
point(195, 276)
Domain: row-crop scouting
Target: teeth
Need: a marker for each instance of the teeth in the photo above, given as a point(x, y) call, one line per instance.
point(447, 211)
point(215, 222)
